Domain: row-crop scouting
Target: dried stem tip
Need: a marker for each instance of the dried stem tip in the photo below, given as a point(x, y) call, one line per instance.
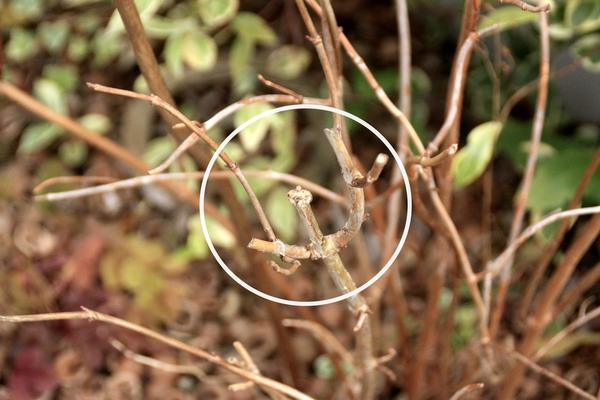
point(299, 197)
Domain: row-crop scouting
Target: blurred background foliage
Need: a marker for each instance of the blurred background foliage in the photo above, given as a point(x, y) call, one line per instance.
point(210, 52)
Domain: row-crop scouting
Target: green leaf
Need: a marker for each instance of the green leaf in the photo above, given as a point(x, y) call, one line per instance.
point(173, 55)
point(588, 50)
point(556, 179)
point(161, 28)
point(471, 160)
point(98, 123)
point(21, 46)
point(217, 12)
point(196, 245)
point(54, 35)
point(65, 75)
point(133, 274)
point(507, 17)
point(199, 50)
point(582, 15)
point(78, 48)
point(106, 48)
point(146, 9)
point(288, 62)
point(323, 367)
point(73, 153)
point(51, 94)
point(87, 23)
point(38, 136)
point(253, 135)
point(282, 214)
point(158, 150)
point(219, 235)
point(251, 27)
point(242, 73)
point(25, 10)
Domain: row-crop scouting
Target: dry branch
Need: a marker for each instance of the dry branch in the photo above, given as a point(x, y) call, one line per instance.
point(91, 315)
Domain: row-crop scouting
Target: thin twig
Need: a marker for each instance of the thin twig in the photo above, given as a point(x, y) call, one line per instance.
point(582, 320)
point(439, 158)
point(150, 179)
point(192, 139)
point(199, 130)
point(495, 266)
point(549, 374)
point(251, 366)
point(543, 8)
point(588, 280)
point(379, 92)
point(82, 180)
point(100, 142)
point(549, 251)
point(280, 88)
point(91, 315)
point(521, 201)
point(472, 387)
point(157, 364)
point(456, 91)
point(542, 315)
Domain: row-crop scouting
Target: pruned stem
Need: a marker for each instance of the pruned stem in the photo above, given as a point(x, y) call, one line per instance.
point(328, 251)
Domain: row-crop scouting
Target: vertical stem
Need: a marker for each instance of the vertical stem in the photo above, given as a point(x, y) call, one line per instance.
point(536, 135)
point(326, 248)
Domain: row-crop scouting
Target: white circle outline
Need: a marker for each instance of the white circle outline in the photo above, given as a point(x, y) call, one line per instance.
point(311, 303)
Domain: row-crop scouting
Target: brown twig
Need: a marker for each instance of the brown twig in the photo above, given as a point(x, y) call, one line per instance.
point(100, 142)
point(495, 267)
point(326, 248)
point(457, 85)
point(82, 180)
point(379, 92)
point(280, 88)
point(543, 312)
point(582, 320)
point(91, 315)
point(543, 8)
point(521, 201)
point(588, 280)
point(157, 364)
point(199, 130)
point(150, 179)
point(549, 251)
point(549, 374)
point(192, 139)
point(472, 387)
point(251, 366)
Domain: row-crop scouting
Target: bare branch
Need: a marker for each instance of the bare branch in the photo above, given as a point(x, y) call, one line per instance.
point(472, 387)
point(582, 320)
point(157, 364)
point(548, 374)
point(542, 8)
point(495, 266)
point(91, 315)
point(151, 179)
point(525, 187)
point(226, 112)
